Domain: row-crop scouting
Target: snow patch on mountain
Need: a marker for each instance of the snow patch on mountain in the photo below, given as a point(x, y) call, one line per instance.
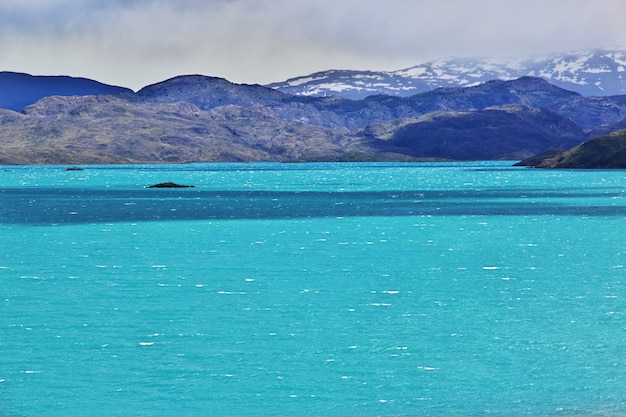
point(597, 72)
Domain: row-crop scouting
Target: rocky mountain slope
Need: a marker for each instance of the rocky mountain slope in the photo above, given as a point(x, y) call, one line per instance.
point(599, 72)
point(108, 129)
point(18, 90)
point(607, 151)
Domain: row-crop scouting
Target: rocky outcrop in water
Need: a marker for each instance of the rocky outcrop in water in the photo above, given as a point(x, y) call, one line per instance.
point(170, 185)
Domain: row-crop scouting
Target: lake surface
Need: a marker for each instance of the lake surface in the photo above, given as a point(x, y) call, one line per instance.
point(449, 289)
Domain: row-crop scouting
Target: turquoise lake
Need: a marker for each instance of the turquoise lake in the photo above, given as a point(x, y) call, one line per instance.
point(415, 289)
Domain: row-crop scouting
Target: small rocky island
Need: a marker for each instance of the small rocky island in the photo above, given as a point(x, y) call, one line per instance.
point(170, 184)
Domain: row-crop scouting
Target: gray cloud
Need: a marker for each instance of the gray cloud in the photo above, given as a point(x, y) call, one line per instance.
point(136, 42)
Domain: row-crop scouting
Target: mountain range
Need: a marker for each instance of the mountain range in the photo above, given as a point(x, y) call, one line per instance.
point(596, 72)
point(199, 118)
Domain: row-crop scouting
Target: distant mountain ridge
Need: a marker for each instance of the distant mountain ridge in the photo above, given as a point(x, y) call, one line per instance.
point(336, 112)
point(18, 90)
point(598, 72)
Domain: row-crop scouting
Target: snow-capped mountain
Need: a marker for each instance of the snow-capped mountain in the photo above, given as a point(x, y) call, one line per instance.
point(598, 72)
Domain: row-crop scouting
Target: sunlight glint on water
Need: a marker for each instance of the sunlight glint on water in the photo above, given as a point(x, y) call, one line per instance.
point(313, 289)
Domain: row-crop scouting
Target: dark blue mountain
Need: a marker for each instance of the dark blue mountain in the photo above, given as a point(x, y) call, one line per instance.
point(18, 90)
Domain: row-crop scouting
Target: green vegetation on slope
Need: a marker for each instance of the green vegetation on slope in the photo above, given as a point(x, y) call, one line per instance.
point(607, 151)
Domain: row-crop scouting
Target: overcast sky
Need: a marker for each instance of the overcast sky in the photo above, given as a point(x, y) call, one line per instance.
point(134, 43)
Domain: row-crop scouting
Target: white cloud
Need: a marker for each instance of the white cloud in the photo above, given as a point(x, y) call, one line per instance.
point(136, 42)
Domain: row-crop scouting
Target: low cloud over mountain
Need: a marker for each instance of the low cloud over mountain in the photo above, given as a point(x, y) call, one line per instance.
point(598, 72)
